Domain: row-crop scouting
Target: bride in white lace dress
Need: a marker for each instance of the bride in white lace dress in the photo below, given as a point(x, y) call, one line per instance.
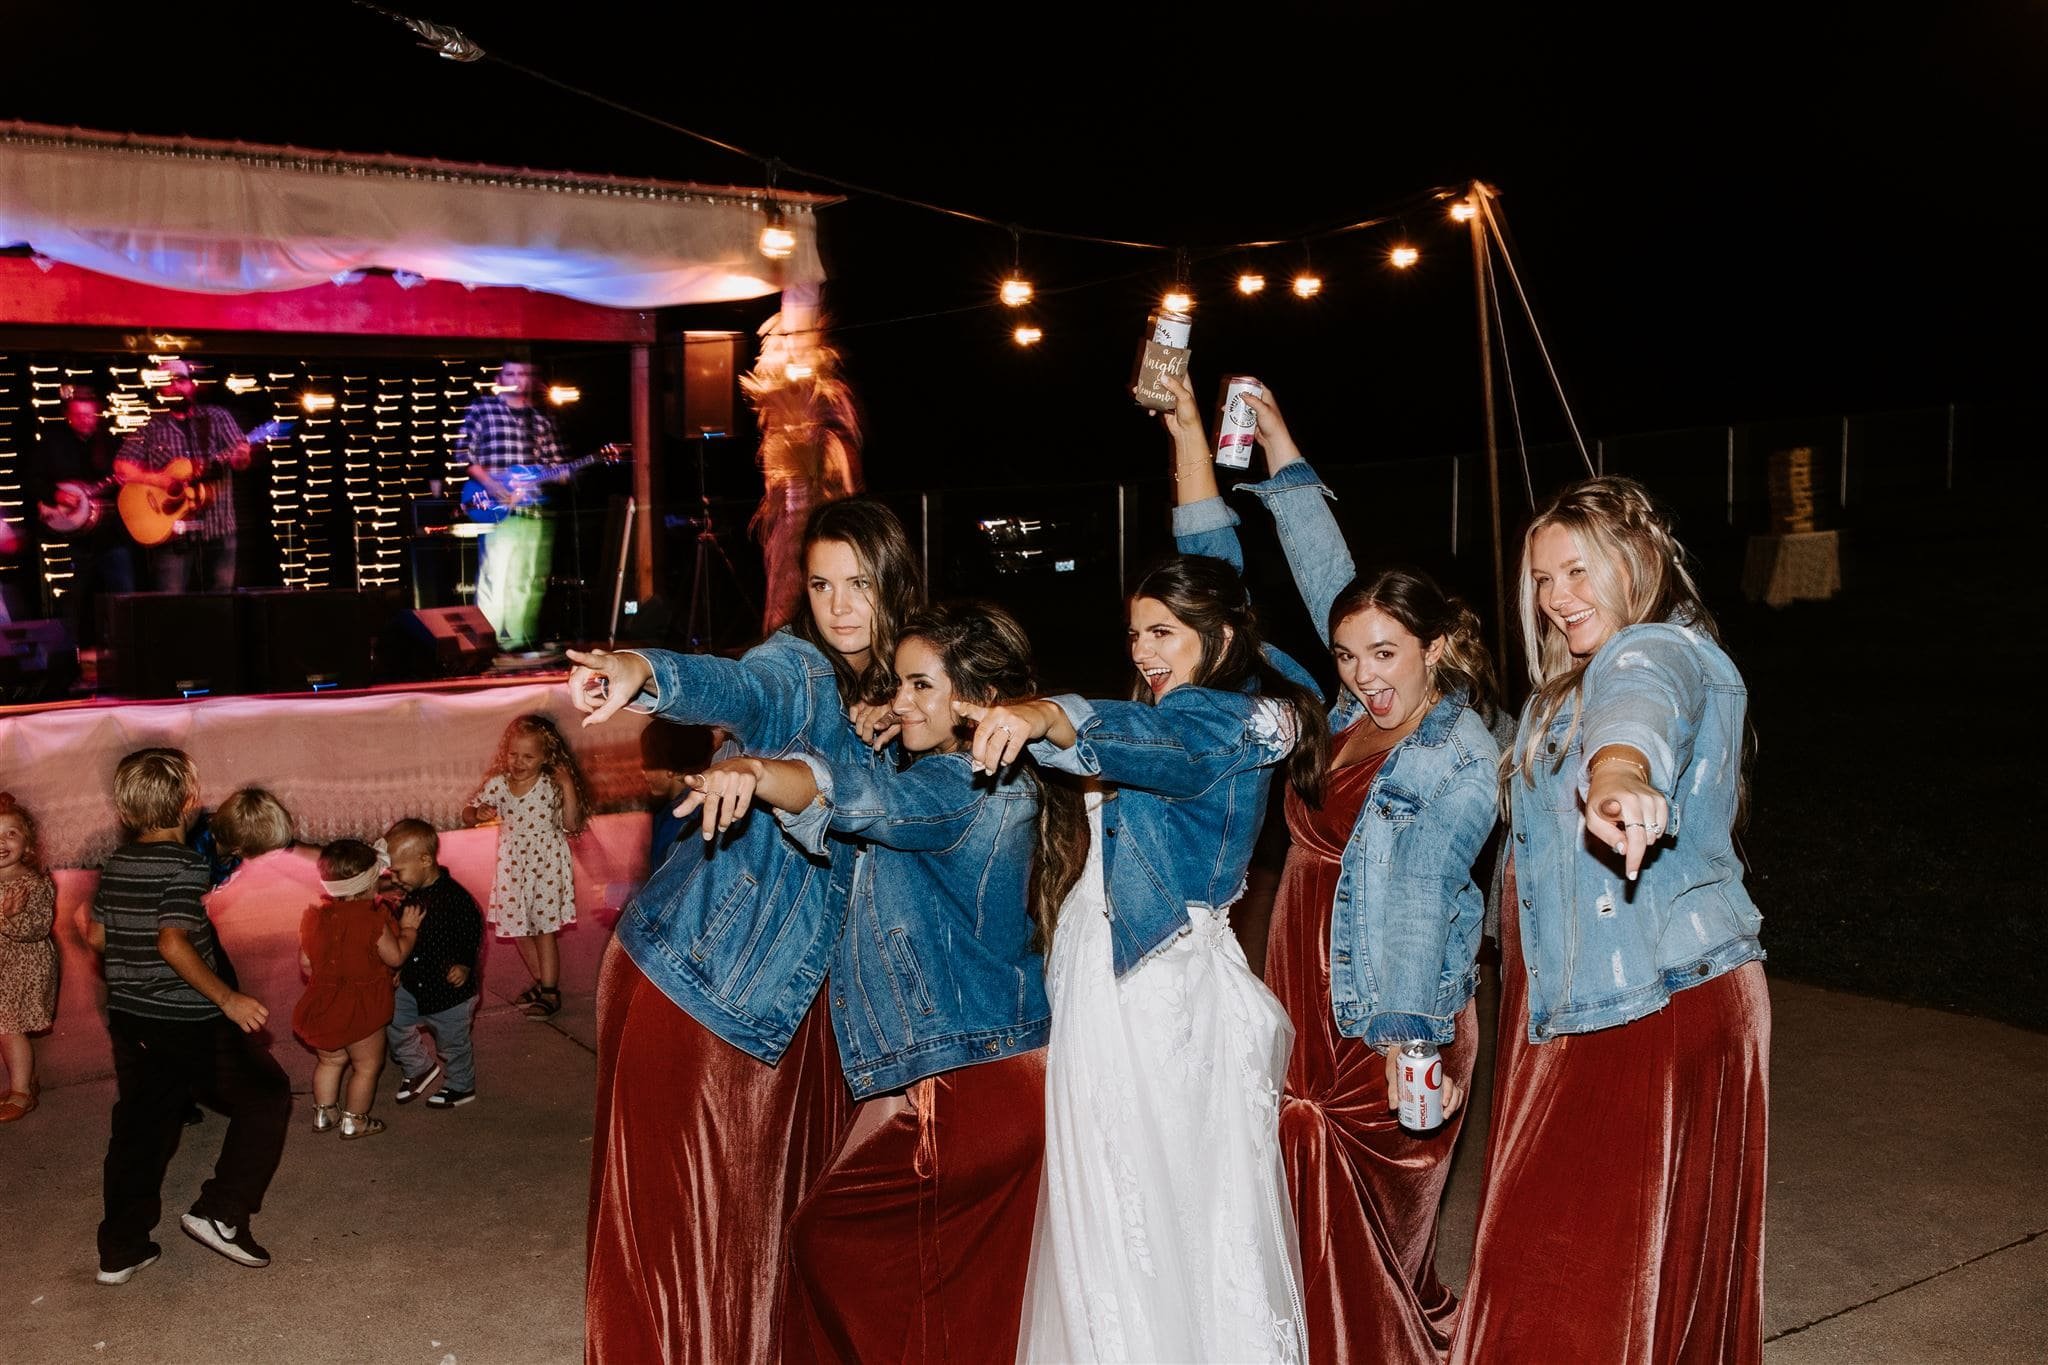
point(1164, 1227)
point(1165, 1231)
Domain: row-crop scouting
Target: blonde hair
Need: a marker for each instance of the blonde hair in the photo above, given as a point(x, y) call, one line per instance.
point(31, 842)
point(154, 788)
point(555, 754)
point(1635, 573)
point(251, 822)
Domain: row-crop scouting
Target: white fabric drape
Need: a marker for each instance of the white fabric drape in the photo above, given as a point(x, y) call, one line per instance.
point(346, 767)
point(229, 219)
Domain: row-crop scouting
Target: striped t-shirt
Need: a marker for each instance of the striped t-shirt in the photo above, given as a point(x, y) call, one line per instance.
point(144, 887)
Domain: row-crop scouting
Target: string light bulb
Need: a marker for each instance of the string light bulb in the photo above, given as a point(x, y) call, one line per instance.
point(1016, 291)
point(563, 394)
point(777, 241)
point(1027, 336)
point(1462, 211)
point(1250, 282)
point(1401, 257)
point(1307, 285)
point(1177, 300)
point(316, 402)
point(797, 370)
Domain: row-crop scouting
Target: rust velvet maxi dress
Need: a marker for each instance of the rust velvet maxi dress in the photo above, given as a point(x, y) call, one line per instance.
point(701, 1155)
point(1622, 1217)
point(1365, 1190)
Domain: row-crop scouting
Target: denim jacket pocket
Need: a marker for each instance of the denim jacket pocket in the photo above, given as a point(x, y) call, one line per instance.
point(904, 956)
point(737, 898)
point(1394, 809)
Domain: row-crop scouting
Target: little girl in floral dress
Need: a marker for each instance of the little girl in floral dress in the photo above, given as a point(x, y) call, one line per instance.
point(536, 793)
point(28, 959)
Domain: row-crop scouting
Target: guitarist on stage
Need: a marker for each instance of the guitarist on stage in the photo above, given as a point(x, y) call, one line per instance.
point(202, 555)
point(500, 430)
point(70, 481)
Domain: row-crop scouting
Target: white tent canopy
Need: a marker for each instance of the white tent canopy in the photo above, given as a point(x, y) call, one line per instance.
point(237, 218)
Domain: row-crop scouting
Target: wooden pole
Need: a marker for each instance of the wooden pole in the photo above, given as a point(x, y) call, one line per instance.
point(644, 427)
point(1480, 296)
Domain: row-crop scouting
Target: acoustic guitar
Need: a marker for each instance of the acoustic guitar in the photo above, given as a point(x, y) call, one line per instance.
point(525, 482)
point(153, 515)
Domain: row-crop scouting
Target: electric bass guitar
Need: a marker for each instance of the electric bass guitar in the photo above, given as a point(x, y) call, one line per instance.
point(153, 515)
point(525, 483)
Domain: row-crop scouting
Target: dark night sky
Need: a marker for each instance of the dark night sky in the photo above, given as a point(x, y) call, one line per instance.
point(1722, 215)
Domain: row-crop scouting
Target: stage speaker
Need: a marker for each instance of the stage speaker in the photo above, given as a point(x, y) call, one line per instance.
point(294, 640)
point(709, 362)
point(37, 661)
point(171, 644)
point(438, 642)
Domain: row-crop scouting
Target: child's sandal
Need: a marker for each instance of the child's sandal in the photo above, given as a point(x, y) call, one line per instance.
point(326, 1117)
point(546, 1004)
point(355, 1126)
point(529, 996)
point(17, 1104)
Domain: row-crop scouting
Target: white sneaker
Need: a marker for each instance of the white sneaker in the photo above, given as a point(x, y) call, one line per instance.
point(127, 1272)
point(231, 1241)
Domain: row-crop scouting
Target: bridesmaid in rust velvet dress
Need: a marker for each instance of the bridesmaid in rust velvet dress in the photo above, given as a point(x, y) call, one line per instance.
point(1377, 919)
point(720, 1097)
point(1624, 1206)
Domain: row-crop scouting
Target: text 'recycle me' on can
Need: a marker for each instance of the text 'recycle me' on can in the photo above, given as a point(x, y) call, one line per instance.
point(1237, 422)
point(1422, 1087)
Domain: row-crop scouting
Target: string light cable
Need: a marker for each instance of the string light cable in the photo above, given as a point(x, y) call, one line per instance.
point(454, 44)
point(1486, 211)
point(1507, 369)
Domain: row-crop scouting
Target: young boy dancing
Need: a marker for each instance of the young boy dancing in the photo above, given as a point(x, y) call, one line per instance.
point(437, 986)
point(178, 1030)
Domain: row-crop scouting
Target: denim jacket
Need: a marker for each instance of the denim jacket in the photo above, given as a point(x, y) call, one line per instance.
point(1602, 950)
point(1191, 775)
point(1405, 928)
point(934, 967)
point(738, 933)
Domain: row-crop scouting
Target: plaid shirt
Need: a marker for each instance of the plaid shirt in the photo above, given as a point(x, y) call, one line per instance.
point(165, 438)
point(495, 434)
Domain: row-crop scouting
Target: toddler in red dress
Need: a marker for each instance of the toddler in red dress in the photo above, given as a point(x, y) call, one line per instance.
point(348, 951)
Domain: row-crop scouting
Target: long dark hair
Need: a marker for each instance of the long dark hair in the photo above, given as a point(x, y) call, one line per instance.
point(896, 589)
point(1430, 614)
point(987, 658)
point(1208, 597)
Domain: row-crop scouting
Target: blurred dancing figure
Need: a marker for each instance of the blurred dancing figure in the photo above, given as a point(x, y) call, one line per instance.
point(810, 446)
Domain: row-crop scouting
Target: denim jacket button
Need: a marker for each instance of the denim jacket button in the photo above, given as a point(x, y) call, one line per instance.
point(839, 1000)
point(1528, 904)
point(1521, 838)
point(992, 1045)
point(1701, 970)
point(1111, 831)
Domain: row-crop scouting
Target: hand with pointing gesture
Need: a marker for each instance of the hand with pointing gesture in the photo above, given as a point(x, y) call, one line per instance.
point(1001, 731)
point(1623, 811)
point(603, 683)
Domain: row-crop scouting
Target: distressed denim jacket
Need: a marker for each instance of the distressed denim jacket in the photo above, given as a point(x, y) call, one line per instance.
point(934, 967)
point(1190, 776)
point(1405, 928)
point(1602, 950)
point(739, 933)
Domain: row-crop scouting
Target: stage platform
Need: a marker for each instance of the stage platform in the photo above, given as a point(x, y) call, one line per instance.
point(346, 764)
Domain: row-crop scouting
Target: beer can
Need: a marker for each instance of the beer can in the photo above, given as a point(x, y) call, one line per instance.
point(1236, 422)
point(1422, 1087)
point(1170, 328)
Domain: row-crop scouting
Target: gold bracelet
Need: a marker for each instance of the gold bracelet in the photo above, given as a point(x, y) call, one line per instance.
point(1642, 772)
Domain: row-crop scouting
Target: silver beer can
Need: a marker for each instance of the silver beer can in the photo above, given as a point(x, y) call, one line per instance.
point(1422, 1087)
point(1171, 329)
point(1237, 423)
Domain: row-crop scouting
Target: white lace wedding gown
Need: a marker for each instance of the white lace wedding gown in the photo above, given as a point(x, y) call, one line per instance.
point(1164, 1230)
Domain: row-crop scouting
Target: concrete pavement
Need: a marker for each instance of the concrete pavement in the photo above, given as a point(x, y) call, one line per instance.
point(1905, 1219)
